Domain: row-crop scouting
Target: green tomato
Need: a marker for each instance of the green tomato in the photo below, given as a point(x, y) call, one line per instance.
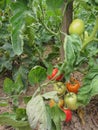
point(60, 88)
point(76, 27)
point(70, 100)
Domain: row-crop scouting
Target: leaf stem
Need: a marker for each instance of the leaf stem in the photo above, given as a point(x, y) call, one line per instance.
point(43, 23)
point(91, 37)
point(96, 39)
point(40, 56)
point(49, 30)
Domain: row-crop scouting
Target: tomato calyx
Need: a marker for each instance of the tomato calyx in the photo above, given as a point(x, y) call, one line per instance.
point(53, 75)
point(73, 85)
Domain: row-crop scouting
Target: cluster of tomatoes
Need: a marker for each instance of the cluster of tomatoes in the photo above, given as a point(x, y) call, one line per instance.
point(67, 93)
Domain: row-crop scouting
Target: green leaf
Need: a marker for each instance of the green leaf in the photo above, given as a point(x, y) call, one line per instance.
point(21, 114)
point(37, 114)
point(37, 74)
point(57, 116)
point(5, 63)
point(54, 4)
point(8, 86)
point(19, 8)
point(90, 86)
point(49, 69)
point(9, 119)
point(83, 95)
point(72, 48)
point(8, 47)
point(92, 72)
point(94, 85)
point(18, 84)
point(27, 99)
point(2, 4)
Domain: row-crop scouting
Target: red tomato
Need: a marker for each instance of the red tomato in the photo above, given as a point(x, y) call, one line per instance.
point(68, 114)
point(54, 72)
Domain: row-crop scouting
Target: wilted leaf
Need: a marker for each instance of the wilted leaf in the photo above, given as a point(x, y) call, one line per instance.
point(50, 95)
point(37, 114)
point(19, 8)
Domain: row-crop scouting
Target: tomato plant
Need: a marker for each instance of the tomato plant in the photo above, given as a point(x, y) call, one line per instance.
point(34, 38)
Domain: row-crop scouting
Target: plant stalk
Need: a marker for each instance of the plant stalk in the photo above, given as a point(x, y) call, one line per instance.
point(91, 37)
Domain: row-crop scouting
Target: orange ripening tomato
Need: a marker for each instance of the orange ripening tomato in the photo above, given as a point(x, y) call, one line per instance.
point(60, 103)
point(73, 85)
point(52, 103)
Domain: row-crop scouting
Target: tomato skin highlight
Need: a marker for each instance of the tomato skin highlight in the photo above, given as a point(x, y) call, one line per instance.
point(70, 100)
point(54, 72)
point(73, 85)
point(68, 114)
point(76, 27)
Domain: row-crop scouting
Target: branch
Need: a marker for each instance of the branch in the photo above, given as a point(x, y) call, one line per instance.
point(49, 30)
point(91, 37)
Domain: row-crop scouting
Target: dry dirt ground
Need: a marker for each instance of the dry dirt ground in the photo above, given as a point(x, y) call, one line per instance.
point(90, 115)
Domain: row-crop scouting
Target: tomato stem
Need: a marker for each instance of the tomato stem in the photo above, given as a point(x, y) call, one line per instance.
point(50, 31)
point(40, 56)
point(42, 21)
point(91, 37)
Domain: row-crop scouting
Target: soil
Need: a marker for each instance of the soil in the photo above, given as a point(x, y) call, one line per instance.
point(88, 119)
